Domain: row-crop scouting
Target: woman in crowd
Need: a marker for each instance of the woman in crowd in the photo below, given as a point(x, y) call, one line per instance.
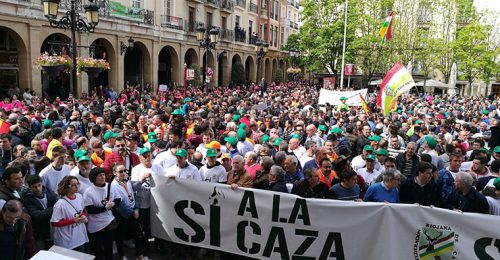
point(69, 217)
point(99, 201)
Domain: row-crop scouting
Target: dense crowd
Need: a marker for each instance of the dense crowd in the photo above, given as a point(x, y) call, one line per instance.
point(76, 173)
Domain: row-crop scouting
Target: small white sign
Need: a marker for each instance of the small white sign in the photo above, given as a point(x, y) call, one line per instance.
point(163, 88)
point(190, 74)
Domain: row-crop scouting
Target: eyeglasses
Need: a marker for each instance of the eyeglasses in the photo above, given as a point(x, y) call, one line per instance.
point(120, 145)
point(122, 171)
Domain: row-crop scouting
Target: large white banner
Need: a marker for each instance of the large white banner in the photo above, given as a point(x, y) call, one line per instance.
point(267, 225)
point(333, 97)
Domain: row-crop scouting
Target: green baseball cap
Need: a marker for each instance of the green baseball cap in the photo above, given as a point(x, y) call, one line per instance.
point(109, 134)
point(368, 148)
point(79, 153)
point(343, 98)
point(241, 112)
point(322, 128)
point(265, 139)
point(241, 134)
point(47, 123)
point(277, 141)
point(382, 152)
point(211, 152)
point(371, 157)
point(486, 111)
point(418, 122)
point(152, 137)
point(84, 158)
point(181, 152)
point(177, 112)
point(232, 140)
point(242, 126)
point(497, 149)
point(375, 138)
point(431, 142)
point(188, 99)
point(296, 136)
point(236, 118)
point(145, 150)
point(336, 130)
point(496, 183)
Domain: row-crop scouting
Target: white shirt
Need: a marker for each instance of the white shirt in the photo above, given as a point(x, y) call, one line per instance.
point(94, 196)
point(127, 195)
point(143, 196)
point(369, 177)
point(494, 205)
point(244, 147)
point(433, 155)
point(70, 236)
point(84, 182)
point(51, 177)
point(215, 174)
point(165, 159)
point(189, 172)
point(304, 159)
point(299, 151)
point(358, 162)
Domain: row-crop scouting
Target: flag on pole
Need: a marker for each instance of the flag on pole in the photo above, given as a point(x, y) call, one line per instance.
point(364, 105)
point(385, 32)
point(397, 81)
point(4, 127)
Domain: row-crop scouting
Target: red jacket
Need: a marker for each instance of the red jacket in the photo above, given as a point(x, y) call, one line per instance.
point(114, 158)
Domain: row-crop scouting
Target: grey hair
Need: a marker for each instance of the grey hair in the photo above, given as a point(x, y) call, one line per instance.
point(238, 158)
point(308, 173)
point(252, 155)
point(308, 144)
point(277, 172)
point(293, 159)
point(390, 174)
point(266, 162)
point(283, 146)
point(279, 157)
point(466, 178)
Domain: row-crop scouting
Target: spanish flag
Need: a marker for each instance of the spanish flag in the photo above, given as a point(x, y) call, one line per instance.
point(364, 105)
point(4, 127)
point(385, 32)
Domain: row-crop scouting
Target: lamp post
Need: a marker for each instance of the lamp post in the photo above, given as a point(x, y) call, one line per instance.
point(294, 54)
point(261, 48)
point(72, 21)
point(124, 47)
point(208, 39)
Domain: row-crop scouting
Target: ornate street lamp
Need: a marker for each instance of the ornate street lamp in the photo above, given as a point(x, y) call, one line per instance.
point(72, 21)
point(261, 48)
point(124, 47)
point(208, 41)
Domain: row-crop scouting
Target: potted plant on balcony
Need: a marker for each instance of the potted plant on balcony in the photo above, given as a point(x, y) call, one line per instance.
point(91, 65)
point(52, 64)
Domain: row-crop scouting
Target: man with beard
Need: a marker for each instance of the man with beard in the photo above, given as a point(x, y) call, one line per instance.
point(121, 155)
point(213, 171)
point(82, 173)
point(362, 140)
point(407, 162)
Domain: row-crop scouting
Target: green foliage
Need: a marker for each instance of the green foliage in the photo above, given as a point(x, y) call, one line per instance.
point(197, 77)
point(238, 74)
point(279, 76)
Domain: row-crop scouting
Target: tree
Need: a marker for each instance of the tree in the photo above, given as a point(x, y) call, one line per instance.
point(197, 77)
point(279, 76)
point(238, 74)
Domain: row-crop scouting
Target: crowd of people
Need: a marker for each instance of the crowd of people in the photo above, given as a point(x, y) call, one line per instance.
point(76, 173)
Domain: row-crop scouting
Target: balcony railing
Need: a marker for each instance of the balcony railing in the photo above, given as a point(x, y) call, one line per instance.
point(120, 10)
point(253, 8)
point(263, 11)
point(240, 34)
point(296, 25)
point(172, 22)
point(191, 27)
point(212, 2)
point(291, 24)
point(241, 3)
point(226, 35)
point(227, 5)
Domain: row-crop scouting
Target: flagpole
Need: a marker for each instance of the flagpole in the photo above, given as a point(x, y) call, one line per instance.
point(343, 48)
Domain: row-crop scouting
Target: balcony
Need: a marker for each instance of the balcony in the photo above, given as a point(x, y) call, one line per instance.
point(253, 8)
point(190, 27)
point(296, 26)
point(227, 6)
point(241, 3)
point(263, 11)
point(240, 34)
point(172, 22)
point(212, 3)
point(226, 35)
point(291, 24)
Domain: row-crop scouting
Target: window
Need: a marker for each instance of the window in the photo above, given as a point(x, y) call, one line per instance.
point(191, 19)
point(237, 20)
point(167, 7)
point(282, 35)
point(137, 3)
point(209, 20)
point(223, 23)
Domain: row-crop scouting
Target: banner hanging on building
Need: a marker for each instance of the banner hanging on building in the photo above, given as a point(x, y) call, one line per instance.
point(267, 225)
point(333, 97)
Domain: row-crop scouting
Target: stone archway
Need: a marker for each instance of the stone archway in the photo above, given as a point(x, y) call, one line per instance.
point(168, 66)
point(103, 49)
point(235, 60)
point(211, 64)
point(58, 86)
point(275, 68)
point(223, 73)
point(282, 66)
point(268, 71)
point(137, 67)
point(250, 69)
point(191, 58)
point(16, 65)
